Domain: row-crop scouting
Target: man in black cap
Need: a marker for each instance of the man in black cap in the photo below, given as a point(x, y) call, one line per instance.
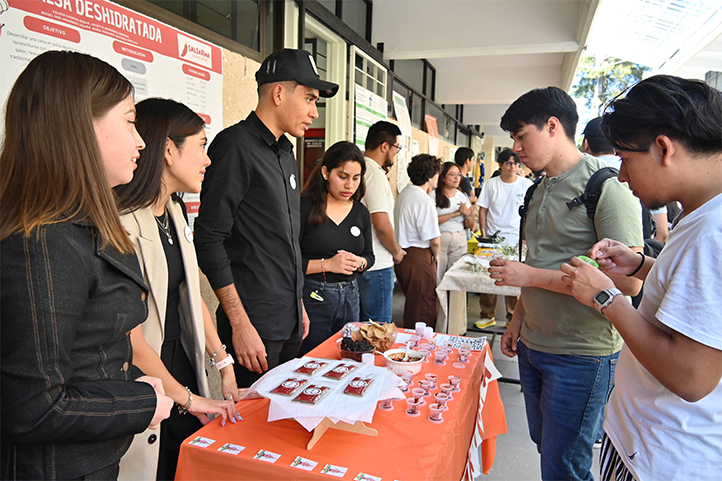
point(246, 233)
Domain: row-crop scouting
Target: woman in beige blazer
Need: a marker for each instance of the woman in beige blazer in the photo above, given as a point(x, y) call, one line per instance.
point(170, 344)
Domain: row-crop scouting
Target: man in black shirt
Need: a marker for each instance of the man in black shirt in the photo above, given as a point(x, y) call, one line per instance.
point(464, 158)
point(246, 233)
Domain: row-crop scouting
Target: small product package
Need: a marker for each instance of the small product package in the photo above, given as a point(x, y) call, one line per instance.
point(358, 386)
point(340, 371)
point(289, 386)
point(310, 367)
point(312, 394)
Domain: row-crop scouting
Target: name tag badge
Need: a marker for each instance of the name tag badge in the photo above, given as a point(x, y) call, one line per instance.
point(292, 181)
point(355, 231)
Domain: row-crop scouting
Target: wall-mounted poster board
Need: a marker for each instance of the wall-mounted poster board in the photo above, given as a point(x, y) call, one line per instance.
point(159, 60)
point(370, 108)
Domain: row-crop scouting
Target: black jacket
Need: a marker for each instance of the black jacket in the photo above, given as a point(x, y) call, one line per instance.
point(69, 404)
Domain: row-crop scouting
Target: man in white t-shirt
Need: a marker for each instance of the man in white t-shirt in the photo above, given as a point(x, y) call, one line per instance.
point(499, 204)
point(664, 416)
point(376, 284)
point(417, 230)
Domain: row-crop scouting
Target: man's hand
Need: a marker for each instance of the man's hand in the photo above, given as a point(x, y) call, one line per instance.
point(163, 403)
point(510, 337)
point(250, 350)
point(584, 281)
point(614, 257)
point(510, 273)
point(305, 321)
point(399, 255)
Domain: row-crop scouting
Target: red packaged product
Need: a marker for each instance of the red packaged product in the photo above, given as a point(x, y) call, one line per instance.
point(358, 386)
point(310, 367)
point(289, 386)
point(340, 371)
point(311, 394)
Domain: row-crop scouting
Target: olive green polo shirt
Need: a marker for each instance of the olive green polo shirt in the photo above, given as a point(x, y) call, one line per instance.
point(558, 323)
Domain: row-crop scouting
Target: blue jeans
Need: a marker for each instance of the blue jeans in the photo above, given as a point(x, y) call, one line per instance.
point(376, 289)
point(565, 397)
point(340, 305)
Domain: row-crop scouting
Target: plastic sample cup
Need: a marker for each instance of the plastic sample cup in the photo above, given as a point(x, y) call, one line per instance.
point(441, 399)
point(426, 386)
point(407, 376)
point(428, 333)
point(412, 407)
point(418, 395)
point(440, 358)
point(436, 412)
point(433, 378)
point(420, 328)
point(368, 358)
point(463, 355)
point(404, 385)
point(387, 404)
point(455, 381)
point(447, 389)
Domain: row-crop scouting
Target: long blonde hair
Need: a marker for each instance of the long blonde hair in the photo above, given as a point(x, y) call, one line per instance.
point(52, 169)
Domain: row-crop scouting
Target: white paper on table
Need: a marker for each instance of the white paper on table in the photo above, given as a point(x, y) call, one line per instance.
point(476, 343)
point(335, 404)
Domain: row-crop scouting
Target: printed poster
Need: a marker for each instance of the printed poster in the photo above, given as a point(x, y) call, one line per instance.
point(370, 108)
point(159, 60)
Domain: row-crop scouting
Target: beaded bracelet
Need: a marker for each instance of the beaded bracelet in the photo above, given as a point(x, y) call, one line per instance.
point(213, 356)
point(187, 406)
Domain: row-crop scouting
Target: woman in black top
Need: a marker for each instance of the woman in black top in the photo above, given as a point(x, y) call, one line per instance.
point(336, 241)
point(171, 343)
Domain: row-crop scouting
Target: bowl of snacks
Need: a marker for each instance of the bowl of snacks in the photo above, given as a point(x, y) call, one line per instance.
point(350, 349)
point(380, 336)
point(395, 361)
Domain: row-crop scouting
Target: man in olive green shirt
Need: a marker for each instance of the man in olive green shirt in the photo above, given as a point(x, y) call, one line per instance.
point(567, 351)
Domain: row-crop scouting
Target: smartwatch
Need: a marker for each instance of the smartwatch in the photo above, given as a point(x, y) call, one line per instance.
point(604, 298)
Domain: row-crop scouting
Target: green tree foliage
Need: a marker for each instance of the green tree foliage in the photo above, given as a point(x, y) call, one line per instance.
point(600, 79)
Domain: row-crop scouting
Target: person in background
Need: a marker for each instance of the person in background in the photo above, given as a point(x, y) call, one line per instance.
point(246, 232)
point(335, 241)
point(454, 212)
point(567, 351)
point(464, 159)
point(417, 230)
point(663, 418)
point(499, 212)
point(376, 283)
point(72, 289)
point(171, 343)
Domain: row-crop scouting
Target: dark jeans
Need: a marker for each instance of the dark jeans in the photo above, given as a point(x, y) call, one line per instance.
point(565, 397)
point(277, 352)
point(339, 306)
point(376, 291)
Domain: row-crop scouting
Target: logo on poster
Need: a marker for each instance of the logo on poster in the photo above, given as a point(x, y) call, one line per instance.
point(190, 49)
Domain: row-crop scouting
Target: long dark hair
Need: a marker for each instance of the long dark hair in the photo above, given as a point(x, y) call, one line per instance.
point(317, 187)
point(50, 175)
point(442, 202)
point(157, 121)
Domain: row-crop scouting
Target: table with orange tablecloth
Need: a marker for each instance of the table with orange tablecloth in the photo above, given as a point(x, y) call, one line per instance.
point(406, 448)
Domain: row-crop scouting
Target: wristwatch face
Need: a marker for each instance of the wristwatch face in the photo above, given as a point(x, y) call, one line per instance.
point(602, 297)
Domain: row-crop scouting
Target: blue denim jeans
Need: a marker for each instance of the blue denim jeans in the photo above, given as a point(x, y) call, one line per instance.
point(340, 305)
point(376, 289)
point(565, 397)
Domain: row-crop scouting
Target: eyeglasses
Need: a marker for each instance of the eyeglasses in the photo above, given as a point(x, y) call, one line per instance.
point(398, 147)
point(512, 163)
point(453, 174)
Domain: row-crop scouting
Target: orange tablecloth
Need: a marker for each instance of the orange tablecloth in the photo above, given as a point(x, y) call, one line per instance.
point(406, 448)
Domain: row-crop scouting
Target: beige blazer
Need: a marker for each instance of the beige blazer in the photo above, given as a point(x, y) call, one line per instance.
point(141, 460)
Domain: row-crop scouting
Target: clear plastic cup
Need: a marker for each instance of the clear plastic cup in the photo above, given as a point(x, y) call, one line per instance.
point(418, 395)
point(415, 341)
point(386, 404)
point(420, 329)
point(447, 389)
point(404, 385)
point(441, 399)
point(426, 386)
point(440, 358)
point(407, 376)
point(368, 358)
point(428, 333)
point(412, 407)
point(463, 355)
point(455, 381)
point(436, 413)
point(433, 378)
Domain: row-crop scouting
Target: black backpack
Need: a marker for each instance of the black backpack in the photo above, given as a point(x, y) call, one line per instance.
point(590, 198)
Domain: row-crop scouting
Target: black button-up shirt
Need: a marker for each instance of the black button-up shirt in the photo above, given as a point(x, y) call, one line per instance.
point(248, 225)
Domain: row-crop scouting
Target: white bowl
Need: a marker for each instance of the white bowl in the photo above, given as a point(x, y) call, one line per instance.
point(400, 367)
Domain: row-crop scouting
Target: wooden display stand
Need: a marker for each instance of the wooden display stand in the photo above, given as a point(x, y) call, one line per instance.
point(326, 424)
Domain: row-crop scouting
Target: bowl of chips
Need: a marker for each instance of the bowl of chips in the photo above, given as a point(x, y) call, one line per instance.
point(381, 336)
point(350, 349)
point(395, 361)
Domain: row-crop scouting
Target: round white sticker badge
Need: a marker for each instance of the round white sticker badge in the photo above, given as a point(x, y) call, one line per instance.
point(188, 233)
point(292, 181)
point(355, 231)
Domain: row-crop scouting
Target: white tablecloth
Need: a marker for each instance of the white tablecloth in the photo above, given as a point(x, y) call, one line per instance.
point(459, 280)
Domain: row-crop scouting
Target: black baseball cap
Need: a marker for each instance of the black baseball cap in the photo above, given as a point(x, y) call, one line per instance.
point(593, 128)
point(290, 64)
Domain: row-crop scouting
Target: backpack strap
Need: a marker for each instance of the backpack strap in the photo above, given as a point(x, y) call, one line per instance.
point(593, 190)
point(524, 208)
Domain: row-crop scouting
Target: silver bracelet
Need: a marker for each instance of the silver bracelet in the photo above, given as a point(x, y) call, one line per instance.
point(187, 406)
point(213, 356)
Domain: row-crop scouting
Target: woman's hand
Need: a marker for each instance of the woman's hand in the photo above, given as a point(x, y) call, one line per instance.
point(614, 257)
point(202, 406)
point(464, 210)
point(584, 281)
point(163, 403)
point(344, 263)
point(229, 387)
